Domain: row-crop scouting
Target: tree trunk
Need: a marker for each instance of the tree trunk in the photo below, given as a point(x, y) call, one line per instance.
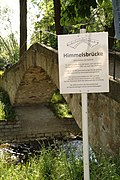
point(57, 12)
point(23, 26)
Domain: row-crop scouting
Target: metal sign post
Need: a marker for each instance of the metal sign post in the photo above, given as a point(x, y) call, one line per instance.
point(85, 129)
point(85, 136)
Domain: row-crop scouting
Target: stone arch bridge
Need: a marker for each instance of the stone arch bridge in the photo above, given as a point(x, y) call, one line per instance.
point(33, 80)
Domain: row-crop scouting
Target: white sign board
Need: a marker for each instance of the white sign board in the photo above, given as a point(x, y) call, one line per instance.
point(83, 63)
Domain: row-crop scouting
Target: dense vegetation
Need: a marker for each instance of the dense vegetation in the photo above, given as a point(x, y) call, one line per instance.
point(97, 15)
point(59, 106)
point(58, 164)
point(6, 109)
point(9, 48)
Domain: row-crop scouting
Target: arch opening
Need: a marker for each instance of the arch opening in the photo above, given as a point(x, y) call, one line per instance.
point(36, 87)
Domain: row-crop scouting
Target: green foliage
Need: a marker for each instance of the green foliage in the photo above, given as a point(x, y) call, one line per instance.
point(106, 168)
point(1, 72)
point(2, 63)
point(74, 10)
point(2, 113)
point(45, 24)
point(57, 97)
point(57, 165)
point(97, 15)
point(9, 48)
point(100, 1)
point(8, 111)
point(100, 17)
point(59, 106)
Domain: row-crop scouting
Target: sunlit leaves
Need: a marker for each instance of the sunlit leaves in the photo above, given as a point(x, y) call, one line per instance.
point(45, 23)
point(9, 51)
point(100, 1)
point(72, 10)
point(97, 14)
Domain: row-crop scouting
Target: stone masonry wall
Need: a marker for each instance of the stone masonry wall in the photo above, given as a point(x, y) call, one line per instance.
point(12, 132)
point(9, 131)
point(104, 109)
point(103, 117)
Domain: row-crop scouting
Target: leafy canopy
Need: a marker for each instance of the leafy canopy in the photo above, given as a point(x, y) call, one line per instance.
point(73, 11)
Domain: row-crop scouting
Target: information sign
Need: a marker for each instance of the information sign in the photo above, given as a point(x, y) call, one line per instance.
point(83, 63)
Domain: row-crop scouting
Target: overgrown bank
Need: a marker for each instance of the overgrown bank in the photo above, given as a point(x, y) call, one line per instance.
point(60, 164)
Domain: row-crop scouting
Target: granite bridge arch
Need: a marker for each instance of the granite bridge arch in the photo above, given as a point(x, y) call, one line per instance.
point(34, 79)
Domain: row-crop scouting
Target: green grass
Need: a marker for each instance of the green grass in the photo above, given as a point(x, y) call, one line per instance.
point(55, 165)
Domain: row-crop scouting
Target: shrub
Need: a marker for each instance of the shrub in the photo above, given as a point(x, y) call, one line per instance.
point(8, 111)
point(59, 106)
